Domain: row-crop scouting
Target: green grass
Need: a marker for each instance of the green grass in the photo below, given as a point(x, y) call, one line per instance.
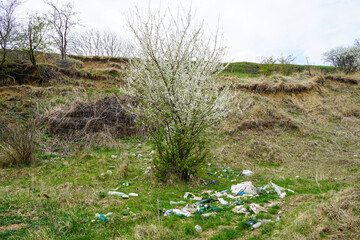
point(321, 152)
point(249, 69)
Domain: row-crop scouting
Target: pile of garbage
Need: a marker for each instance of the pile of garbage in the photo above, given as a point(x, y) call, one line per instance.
point(233, 198)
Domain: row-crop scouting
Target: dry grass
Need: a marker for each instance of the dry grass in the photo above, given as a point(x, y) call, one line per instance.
point(123, 170)
point(17, 144)
point(266, 86)
point(335, 216)
point(151, 232)
point(342, 79)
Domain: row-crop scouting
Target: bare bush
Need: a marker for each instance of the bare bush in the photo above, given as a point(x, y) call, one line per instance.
point(17, 143)
point(286, 66)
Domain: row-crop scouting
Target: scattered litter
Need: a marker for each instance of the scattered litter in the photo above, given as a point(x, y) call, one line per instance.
point(297, 176)
point(280, 190)
point(223, 202)
point(112, 167)
point(250, 223)
point(256, 225)
point(188, 194)
point(240, 209)
point(133, 194)
point(277, 219)
point(206, 215)
point(237, 203)
point(125, 196)
point(246, 187)
point(102, 218)
point(175, 203)
point(185, 211)
point(207, 200)
point(151, 153)
point(256, 208)
point(265, 220)
point(116, 193)
point(139, 156)
point(114, 156)
point(198, 228)
point(247, 173)
point(109, 172)
point(108, 214)
point(355, 155)
point(168, 212)
point(147, 170)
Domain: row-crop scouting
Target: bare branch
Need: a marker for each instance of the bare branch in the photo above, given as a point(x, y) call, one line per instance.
point(62, 20)
point(8, 26)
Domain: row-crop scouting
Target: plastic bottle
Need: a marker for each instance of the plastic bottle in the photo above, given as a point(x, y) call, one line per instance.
point(256, 225)
point(198, 228)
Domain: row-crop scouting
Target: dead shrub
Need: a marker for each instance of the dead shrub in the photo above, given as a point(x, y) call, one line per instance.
point(85, 120)
point(17, 143)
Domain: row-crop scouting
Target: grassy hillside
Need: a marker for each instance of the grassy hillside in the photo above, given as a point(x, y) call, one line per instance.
point(242, 69)
point(300, 132)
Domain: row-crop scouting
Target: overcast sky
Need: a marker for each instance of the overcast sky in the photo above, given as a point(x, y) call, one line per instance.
point(251, 28)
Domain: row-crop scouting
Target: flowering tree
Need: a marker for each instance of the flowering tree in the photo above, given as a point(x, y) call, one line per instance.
point(175, 82)
point(345, 58)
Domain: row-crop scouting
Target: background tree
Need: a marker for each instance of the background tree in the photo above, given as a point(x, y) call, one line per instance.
point(62, 20)
point(33, 37)
point(286, 66)
point(8, 26)
point(357, 42)
point(101, 43)
point(175, 83)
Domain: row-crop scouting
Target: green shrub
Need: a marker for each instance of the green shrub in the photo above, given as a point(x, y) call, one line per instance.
point(267, 66)
point(182, 156)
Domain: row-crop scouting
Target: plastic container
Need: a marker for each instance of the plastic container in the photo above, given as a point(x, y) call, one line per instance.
point(198, 228)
